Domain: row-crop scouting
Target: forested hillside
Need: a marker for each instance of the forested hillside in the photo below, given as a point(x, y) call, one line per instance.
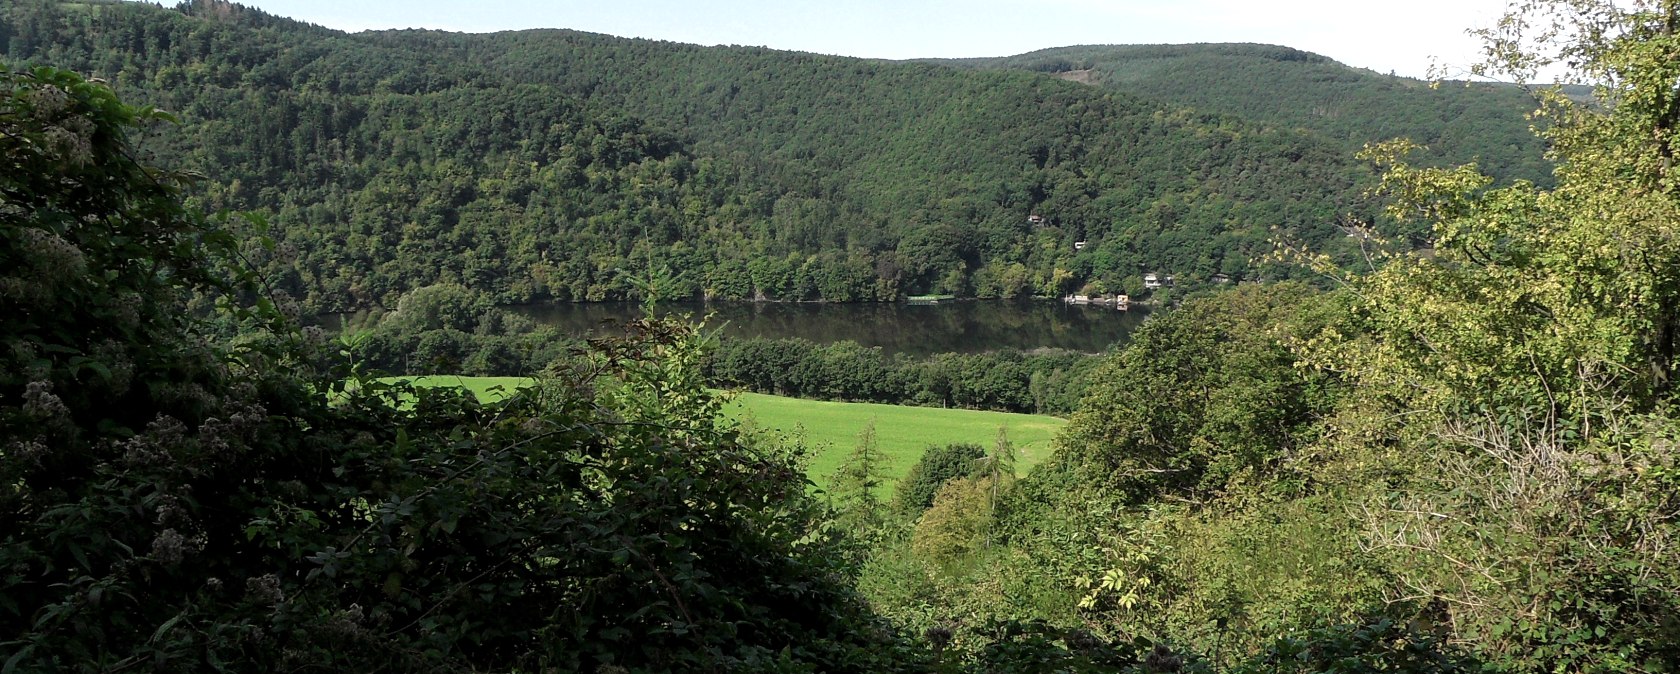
point(1452, 460)
point(559, 165)
point(174, 502)
point(1456, 122)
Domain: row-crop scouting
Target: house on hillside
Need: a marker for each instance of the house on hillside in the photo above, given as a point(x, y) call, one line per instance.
point(1153, 280)
point(1036, 220)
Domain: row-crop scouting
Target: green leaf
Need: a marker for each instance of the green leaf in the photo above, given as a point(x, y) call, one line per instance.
point(166, 626)
point(12, 662)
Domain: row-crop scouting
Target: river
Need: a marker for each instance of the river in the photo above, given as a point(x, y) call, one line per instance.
point(915, 329)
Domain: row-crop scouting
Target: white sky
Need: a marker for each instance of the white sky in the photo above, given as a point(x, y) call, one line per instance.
point(1402, 36)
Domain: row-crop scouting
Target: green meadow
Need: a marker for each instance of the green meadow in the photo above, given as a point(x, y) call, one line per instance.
point(486, 388)
point(901, 432)
point(831, 429)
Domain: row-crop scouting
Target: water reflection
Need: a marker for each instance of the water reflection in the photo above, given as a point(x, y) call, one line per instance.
point(966, 327)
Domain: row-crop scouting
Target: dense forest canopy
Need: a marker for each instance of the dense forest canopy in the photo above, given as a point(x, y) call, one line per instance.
point(558, 165)
point(1457, 122)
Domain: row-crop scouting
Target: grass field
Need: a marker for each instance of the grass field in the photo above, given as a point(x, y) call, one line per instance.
point(901, 432)
point(831, 428)
point(486, 388)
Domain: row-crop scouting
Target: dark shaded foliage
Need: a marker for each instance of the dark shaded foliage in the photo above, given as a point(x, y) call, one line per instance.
point(175, 505)
point(938, 465)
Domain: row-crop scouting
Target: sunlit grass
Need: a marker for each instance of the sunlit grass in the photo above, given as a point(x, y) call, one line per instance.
point(901, 432)
point(831, 429)
point(486, 388)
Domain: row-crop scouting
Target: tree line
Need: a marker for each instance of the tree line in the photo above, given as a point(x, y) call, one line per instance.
point(1051, 382)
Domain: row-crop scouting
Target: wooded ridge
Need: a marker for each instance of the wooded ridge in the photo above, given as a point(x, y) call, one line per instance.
point(554, 164)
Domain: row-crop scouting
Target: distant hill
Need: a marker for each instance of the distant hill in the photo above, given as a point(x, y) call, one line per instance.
point(1460, 122)
point(554, 164)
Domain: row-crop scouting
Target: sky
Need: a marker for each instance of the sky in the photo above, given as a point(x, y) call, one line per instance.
point(1403, 37)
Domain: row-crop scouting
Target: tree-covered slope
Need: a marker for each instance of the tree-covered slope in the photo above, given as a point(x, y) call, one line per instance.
point(385, 169)
point(949, 163)
point(1459, 122)
point(557, 165)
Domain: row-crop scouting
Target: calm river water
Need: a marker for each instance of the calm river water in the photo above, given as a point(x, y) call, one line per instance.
point(915, 329)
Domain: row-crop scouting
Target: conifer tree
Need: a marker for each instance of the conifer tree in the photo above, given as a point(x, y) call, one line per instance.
point(855, 483)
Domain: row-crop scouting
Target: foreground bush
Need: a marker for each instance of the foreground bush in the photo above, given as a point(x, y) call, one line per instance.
point(171, 505)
